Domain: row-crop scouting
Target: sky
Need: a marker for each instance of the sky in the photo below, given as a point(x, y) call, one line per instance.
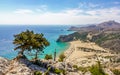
point(58, 12)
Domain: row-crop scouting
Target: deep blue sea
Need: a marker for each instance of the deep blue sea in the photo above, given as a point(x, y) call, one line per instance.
point(50, 32)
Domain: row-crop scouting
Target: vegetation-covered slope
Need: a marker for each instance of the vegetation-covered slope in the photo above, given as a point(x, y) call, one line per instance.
point(73, 36)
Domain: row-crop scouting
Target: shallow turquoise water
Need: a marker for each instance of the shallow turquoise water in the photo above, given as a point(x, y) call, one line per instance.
point(50, 32)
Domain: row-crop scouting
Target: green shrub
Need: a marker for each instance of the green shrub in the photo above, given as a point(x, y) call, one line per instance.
point(75, 66)
point(116, 72)
point(64, 72)
point(47, 57)
point(83, 69)
point(61, 57)
point(118, 60)
point(96, 70)
point(37, 73)
point(58, 71)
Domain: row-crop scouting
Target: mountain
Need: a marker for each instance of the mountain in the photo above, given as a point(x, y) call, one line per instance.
point(109, 25)
point(105, 34)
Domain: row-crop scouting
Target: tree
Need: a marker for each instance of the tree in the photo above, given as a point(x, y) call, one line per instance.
point(30, 42)
point(61, 57)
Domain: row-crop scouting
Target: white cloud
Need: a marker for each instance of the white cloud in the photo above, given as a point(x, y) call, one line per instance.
point(69, 16)
point(93, 5)
point(116, 2)
point(114, 11)
point(42, 8)
point(23, 11)
point(88, 5)
point(73, 11)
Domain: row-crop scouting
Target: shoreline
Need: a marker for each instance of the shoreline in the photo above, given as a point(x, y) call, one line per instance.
point(68, 51)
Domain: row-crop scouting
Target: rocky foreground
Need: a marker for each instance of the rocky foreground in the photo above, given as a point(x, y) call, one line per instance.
point(22, 66)
point(16, 67)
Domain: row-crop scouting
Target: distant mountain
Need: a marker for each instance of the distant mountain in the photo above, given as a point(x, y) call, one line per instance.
point(86, 28)
point(105, 34)
point(109, 25)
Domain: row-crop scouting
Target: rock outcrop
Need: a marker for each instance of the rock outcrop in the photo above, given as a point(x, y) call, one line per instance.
point(13, 67)
point(4, 63)
point(20, 66)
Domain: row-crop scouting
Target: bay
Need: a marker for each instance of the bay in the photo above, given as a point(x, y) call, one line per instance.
point(51, 32)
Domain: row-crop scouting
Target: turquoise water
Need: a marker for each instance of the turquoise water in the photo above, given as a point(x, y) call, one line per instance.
point(50, 32)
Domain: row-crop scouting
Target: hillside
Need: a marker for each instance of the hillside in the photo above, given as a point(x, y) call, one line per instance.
point(106, 35)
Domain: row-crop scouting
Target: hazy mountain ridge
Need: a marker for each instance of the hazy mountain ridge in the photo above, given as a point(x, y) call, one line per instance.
point(109, 25)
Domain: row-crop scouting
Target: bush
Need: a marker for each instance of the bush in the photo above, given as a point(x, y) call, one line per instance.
point(64, 72)
point(83, 69)
point(58, 71)
point(75, 66)
point(61, 57)
point(96, 70)
point(118, 60)
point(116, 72)
point(37, 73)
point(47, 57)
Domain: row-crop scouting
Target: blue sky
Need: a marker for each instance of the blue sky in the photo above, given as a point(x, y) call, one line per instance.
point(54, 12)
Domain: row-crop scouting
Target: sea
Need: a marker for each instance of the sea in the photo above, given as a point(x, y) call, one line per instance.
point(51, 33)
